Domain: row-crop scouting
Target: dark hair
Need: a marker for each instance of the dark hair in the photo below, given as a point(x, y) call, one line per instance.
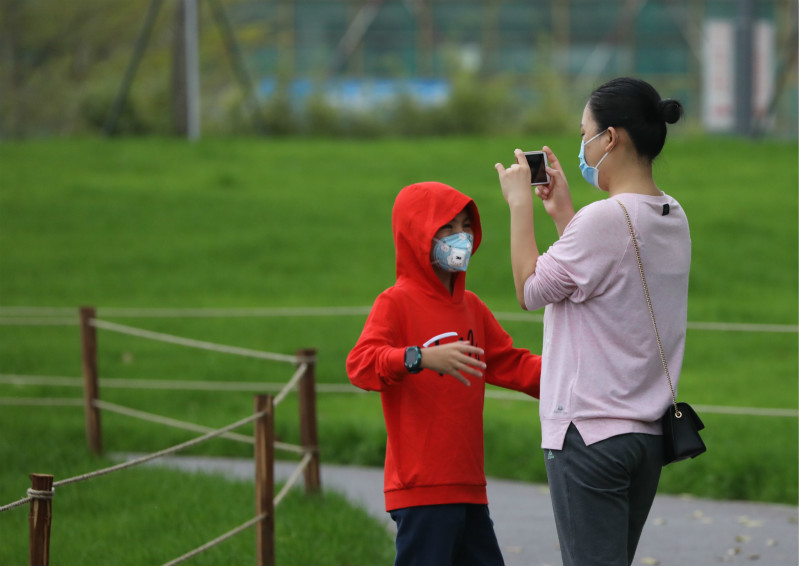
point(636, 106)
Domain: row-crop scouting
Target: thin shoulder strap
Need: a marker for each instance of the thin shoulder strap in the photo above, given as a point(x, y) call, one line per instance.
point(649, 304)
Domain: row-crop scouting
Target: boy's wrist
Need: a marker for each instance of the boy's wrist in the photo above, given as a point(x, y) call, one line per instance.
point(413, 359)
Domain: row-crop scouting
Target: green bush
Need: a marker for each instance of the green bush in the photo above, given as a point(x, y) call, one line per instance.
point(475, 107)
point(96, 105)
point(279, 113)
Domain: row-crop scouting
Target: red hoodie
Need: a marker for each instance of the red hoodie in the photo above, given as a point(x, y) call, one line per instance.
point(434, 453)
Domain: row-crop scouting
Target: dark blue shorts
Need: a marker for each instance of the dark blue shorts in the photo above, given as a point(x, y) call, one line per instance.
point(444, 535)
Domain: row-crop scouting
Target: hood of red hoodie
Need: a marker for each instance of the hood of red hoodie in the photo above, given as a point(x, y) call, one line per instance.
point(419, 211)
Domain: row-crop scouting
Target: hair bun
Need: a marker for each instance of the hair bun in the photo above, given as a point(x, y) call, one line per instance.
point(670, 110)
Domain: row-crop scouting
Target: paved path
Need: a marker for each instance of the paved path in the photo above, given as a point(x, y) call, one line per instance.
point(680, 531)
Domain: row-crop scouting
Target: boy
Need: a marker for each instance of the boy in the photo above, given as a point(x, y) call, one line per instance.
point(429, 346)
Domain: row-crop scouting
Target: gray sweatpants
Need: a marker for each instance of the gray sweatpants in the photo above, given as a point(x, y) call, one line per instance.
point(601, 495)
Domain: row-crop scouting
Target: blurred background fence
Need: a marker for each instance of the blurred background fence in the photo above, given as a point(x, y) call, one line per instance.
point(369, 67)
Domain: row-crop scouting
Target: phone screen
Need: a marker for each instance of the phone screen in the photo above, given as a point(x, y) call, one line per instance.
point(538, 171)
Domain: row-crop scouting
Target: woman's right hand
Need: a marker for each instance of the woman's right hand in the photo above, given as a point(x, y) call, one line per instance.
point(556, 196)
point(515, 181)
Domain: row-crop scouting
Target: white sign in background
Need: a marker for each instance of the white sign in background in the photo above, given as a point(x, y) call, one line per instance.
point(718, 78)
point(764, 73)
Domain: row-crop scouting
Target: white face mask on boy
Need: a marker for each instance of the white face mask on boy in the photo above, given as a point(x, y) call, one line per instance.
point(453, 252)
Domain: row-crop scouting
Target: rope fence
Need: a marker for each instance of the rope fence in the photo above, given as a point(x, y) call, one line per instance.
point(292, 382)
point(42, 490)
point(220, 539)
point(38, 497)
point(335, 388)
point(33, 494)
point(160, 453)
point(188, 342)
point(294, 477)
point(167, 384)
point(56, 316)
point(166, 421)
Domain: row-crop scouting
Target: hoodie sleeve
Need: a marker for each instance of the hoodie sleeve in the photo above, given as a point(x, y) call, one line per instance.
point(378, 358)
point(506, 366)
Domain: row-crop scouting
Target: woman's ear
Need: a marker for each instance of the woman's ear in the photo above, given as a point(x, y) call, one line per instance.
point(614, 138)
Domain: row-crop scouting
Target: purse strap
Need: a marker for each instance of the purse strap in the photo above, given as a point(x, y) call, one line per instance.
point(677, 412)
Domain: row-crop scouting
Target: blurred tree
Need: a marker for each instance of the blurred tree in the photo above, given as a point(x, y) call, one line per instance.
point(61, 65)
point(51, 50)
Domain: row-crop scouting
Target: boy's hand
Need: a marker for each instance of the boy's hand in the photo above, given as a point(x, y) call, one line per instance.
point(454, 358)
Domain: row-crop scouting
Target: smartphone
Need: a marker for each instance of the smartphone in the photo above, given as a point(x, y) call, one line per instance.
point(537, 160)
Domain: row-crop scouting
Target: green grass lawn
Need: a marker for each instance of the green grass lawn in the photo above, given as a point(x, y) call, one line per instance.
point(149, 515)
point(306, 223)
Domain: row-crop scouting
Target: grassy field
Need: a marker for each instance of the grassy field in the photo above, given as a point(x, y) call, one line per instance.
point(150, 516)
point(236, 223)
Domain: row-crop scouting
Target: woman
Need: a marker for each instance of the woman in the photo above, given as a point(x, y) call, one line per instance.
point(603, 388)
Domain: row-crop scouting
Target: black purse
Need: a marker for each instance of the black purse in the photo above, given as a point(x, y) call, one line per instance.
point(681, 424)
point(681, 440)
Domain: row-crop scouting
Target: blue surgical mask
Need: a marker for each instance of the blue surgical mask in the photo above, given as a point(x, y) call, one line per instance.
point(590, 174)
point(453, 252)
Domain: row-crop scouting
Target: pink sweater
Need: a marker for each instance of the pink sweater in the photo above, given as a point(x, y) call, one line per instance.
point(601, 366)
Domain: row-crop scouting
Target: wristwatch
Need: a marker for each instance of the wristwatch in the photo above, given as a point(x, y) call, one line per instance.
point(413, 359)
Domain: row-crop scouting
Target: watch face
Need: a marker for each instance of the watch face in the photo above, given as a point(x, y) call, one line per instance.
point(412, 358)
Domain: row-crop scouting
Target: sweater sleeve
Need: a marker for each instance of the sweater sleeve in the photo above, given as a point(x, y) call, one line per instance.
point(506, 366)
point(377, 360)
point(579, 264)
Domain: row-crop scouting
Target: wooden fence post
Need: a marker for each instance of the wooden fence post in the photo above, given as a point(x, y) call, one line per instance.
point(265, 481)
point(39, 520)
point(309, 439)
point(91, 390)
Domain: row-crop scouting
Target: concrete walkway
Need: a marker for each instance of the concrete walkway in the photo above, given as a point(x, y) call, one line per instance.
point(680, 531)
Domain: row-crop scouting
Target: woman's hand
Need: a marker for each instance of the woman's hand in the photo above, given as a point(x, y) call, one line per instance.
point(556, 196)
point(515, 183)
point(454, 358)
point(515, 180)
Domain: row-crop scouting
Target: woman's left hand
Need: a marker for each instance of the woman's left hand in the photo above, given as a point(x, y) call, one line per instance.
point(555, 195)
